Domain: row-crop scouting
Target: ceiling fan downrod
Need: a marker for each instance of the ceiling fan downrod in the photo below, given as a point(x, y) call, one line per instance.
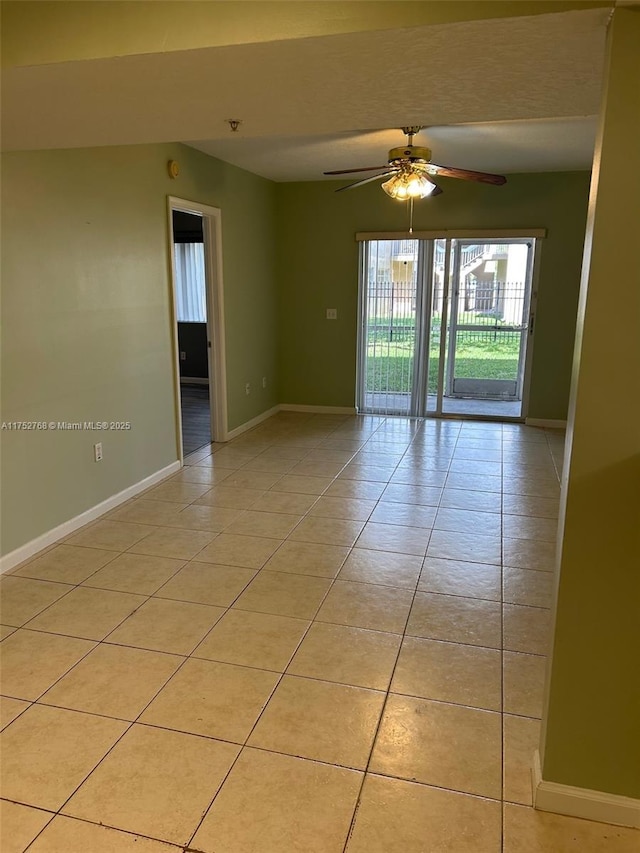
point(411, 131)
point(410, 152)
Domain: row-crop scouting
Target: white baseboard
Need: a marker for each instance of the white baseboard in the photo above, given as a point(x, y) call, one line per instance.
point(582, 802)
point(24, 552)
point(254, 422)
point(545, 422)
point(318, 410)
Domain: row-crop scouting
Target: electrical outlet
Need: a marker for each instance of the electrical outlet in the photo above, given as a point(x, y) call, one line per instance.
point(264, 381)
point(183, 355)
point(247, 389)
point(97, 452)
point(332, 313)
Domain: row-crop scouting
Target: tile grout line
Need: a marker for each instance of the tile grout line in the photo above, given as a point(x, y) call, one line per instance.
point(314, 620)
point(242, 747)
point(384, 704)
point(97, 643)
point(132, 723)
point(278, 683)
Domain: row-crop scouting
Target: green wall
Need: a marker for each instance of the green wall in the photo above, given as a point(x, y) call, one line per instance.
point(318, 269)
point(592, 723)
point(86, 304)
point(86, 317)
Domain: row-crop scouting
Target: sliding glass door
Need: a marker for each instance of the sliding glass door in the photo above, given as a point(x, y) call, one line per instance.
point(444, 326)
point(391, 288)
point(489, 321)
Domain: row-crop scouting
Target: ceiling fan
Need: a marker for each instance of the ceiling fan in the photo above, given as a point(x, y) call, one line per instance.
point(410, 172)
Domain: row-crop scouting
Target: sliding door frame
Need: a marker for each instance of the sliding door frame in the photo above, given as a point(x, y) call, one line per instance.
point(424, 284)
point(424, 305)
point(444, 322)
point(533, 305)
point(363, 293)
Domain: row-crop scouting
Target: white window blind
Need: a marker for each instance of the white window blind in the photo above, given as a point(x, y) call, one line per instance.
point(190, 283)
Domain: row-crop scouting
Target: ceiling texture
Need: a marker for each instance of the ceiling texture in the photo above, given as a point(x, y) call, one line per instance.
point(513, 94)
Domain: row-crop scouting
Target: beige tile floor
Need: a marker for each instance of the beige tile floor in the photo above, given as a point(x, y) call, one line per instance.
point(326, 636)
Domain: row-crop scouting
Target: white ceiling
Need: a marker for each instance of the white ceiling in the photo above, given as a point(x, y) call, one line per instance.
point(503, 95)
point(536, 145)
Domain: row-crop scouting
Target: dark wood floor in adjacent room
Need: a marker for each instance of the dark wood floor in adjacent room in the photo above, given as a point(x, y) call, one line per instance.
point(196, 417)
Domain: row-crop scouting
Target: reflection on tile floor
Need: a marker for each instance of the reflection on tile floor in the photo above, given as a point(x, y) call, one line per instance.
point(326, 636)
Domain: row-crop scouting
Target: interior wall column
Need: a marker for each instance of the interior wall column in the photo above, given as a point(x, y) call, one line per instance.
point(591, 738)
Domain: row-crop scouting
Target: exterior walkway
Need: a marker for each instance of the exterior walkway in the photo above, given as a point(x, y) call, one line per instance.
point(399, 404)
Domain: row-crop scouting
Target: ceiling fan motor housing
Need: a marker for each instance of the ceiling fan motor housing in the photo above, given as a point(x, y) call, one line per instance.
point(412, 153)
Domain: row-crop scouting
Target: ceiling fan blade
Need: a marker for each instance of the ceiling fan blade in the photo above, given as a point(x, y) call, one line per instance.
point(466, 174)
point(348, 171)
point(366, 180)
point(438, 191)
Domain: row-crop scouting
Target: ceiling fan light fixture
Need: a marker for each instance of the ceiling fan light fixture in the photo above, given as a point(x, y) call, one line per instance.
point(408, 184)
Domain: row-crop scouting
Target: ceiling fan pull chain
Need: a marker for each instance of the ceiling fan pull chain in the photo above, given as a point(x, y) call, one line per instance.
point(411, 215)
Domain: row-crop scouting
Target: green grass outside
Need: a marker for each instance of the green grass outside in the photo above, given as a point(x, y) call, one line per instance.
point(390, 363)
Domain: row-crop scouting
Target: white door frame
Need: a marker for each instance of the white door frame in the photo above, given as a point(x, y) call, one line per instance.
point(216, 351)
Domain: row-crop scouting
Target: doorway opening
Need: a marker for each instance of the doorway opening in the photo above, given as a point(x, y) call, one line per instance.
point(446, 326)
point(191, 317)
point(196, 268)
